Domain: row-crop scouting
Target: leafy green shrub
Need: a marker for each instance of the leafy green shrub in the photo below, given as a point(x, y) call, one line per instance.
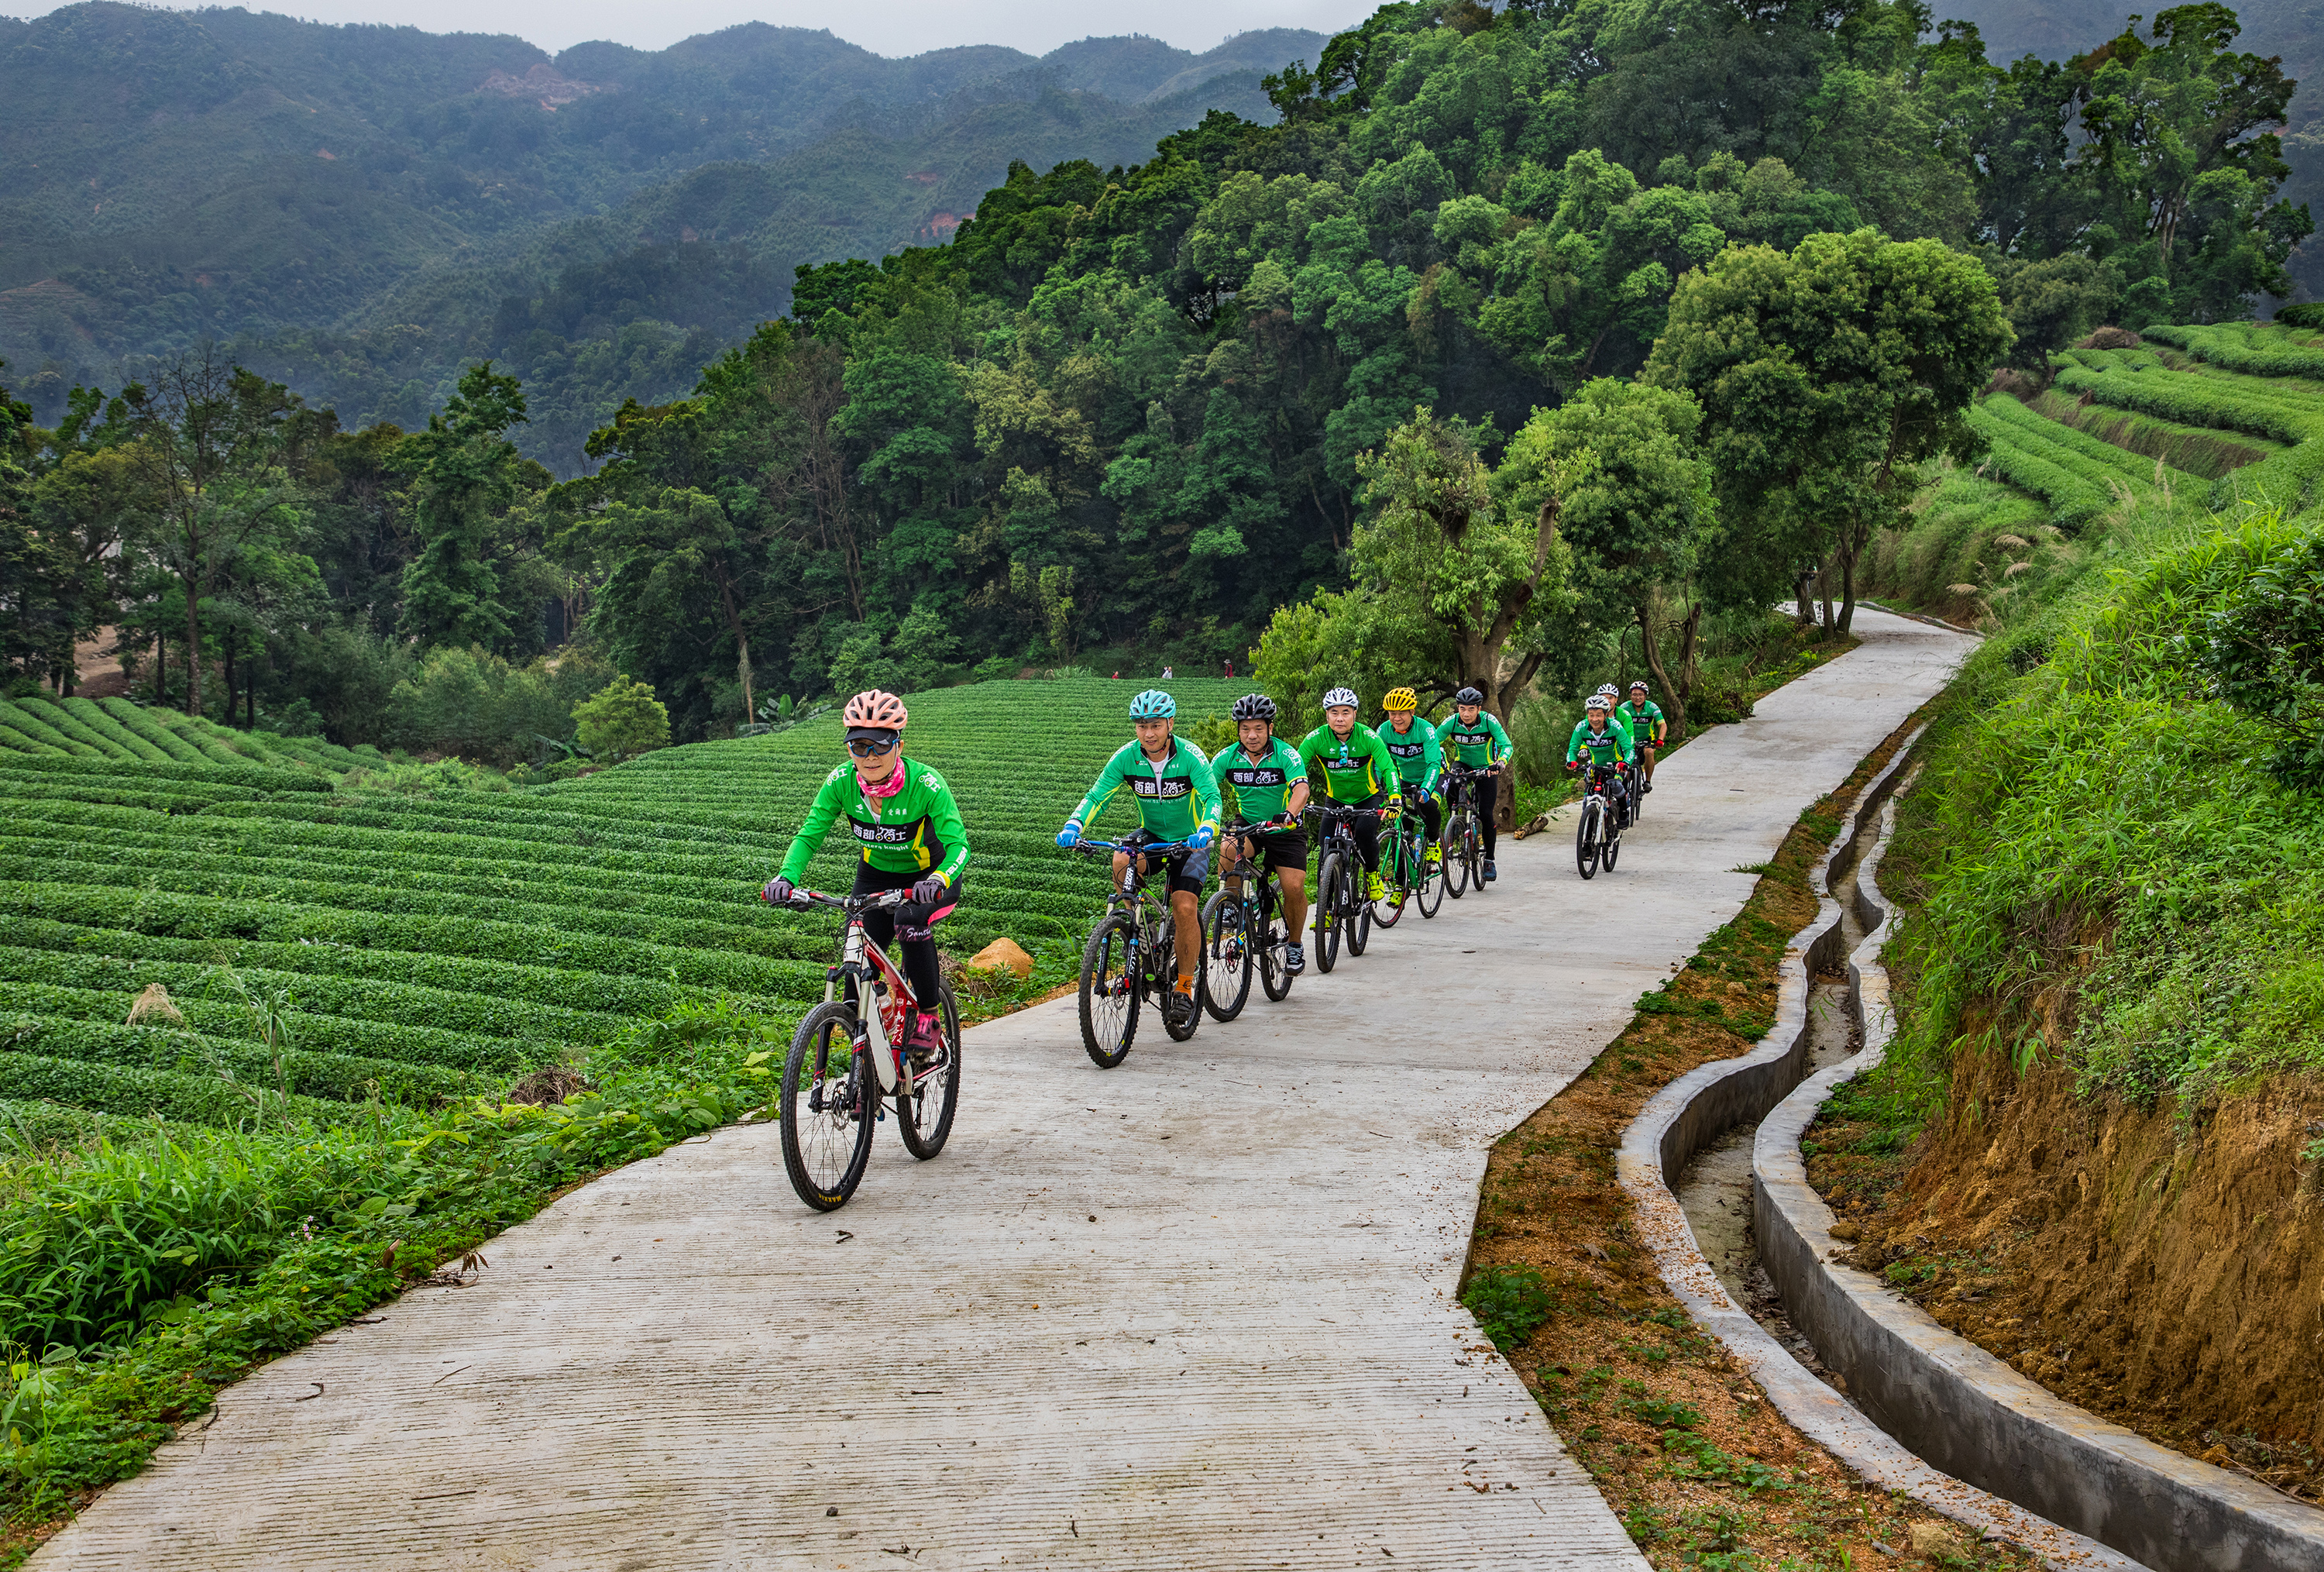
point(622, 721)
point(482, 708)
point(1511, 1303)
point(2262, 646)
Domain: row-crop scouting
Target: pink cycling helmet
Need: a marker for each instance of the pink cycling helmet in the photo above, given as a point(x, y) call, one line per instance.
point(876, 709)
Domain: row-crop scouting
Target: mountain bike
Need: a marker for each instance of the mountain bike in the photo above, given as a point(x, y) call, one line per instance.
point(1634, 790)
point(845, 1064)
point(1132, 953)
point(1240, 936)
point(1598, 827)
point(1463, 838)
point(1404, 860)
point(1342, 909)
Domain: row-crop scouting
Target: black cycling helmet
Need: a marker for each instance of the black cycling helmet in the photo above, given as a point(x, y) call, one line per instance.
point(1254, 706)
point(1468, 696)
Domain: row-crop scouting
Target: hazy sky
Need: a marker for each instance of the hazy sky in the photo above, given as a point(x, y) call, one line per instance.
point(898, 27)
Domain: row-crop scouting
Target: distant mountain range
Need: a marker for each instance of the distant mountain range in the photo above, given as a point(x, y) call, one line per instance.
point(358, 209)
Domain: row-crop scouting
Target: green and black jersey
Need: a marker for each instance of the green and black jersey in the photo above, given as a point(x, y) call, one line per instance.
point(915, 831)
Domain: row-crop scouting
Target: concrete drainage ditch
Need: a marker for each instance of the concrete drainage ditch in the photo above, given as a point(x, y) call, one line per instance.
point(1714, 1166)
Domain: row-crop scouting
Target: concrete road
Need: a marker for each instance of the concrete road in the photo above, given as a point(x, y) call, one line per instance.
point(1194, 1312)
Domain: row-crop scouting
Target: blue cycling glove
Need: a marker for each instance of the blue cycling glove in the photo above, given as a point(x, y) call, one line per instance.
point(1201, 837)
point(1070, 837)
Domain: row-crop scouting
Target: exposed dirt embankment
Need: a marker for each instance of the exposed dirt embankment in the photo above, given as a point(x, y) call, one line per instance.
point(2167, 1274)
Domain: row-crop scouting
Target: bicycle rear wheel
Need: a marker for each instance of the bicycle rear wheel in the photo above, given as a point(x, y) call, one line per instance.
point(1472, 853)
point(1359, 929)
point(1109, 992)
point(1274, 977)
point(1585, 837)
point(1327, 910)
point(830, 1103)
point(1230, 955)
point(924, 1115)
point(1610, 853)
point(1178, 1020)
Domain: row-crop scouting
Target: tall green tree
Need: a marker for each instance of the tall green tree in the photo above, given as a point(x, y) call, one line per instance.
point(211, 442)
point(1827, 377)
point(465, 477)
point(1621, 466)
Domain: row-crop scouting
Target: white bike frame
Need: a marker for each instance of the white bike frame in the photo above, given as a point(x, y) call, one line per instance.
point(891, 984)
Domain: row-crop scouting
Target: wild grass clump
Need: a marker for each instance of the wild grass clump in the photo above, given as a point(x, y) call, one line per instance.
point(2109, 869)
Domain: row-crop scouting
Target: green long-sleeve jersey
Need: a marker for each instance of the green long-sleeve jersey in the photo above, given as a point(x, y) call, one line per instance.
point(1172, 801)
point(918, 830)
point(1476, 743)
point(1419, 756)
point(1603, 747)
point(1643, 720)
point(1355, 767)
point(1262, 789)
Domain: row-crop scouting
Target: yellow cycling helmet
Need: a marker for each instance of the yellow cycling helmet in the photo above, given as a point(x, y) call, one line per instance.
point(1401, 698)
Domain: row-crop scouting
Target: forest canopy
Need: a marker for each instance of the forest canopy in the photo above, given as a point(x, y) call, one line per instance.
point(1128, 413)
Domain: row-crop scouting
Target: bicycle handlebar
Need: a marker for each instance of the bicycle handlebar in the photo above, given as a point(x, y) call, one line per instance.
point(1147, 849)
point(851, 904)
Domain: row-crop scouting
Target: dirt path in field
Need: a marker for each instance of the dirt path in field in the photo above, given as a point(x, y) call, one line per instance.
point(1196, 1311)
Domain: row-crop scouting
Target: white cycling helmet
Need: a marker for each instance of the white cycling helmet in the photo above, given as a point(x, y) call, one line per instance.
point(1597, 701)
point(1337, 697)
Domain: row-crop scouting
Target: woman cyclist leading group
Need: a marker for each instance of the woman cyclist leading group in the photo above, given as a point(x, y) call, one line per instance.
point(908, 834)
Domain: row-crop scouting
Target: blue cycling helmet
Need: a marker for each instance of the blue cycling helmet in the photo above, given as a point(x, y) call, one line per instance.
point(1153, 705)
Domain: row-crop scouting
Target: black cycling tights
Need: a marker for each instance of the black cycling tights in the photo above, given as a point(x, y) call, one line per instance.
point(918, 958)
point(1487, 820)
point(1366, 828)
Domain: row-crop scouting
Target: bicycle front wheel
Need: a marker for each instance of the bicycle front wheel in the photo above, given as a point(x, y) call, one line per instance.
point(1585, 837)
point(1109, 992)
point(1472, 853)
point(1430, 892)
point(1456, 837)
point(830, 1103)
point(1328, 918)
point(924, 1115)
point(1396, 861)
point(1230, 955)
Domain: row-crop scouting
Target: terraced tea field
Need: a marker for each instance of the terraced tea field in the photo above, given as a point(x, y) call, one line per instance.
point(323, 944)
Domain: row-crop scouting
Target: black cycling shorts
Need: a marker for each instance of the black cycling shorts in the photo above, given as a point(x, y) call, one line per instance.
point(1281, 849)
point(1188, 867)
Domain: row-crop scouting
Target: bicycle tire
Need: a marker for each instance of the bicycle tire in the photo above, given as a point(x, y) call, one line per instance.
point(1105, 969)
point(1274, 973)
point(1327, 918)
point(1472, 853)
point(1430, 893)
point(1456, 872)
point(820, 1135)
point(924, 1136)
point(1585, 837)
point(1358, 931)
point(1219, 962)
point(1392, 859)
point(1165, 975)
point(1610, 852)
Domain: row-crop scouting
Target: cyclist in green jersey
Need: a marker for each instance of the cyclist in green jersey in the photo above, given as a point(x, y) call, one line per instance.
point(1606, 742)
point(1477, 740)
point(907, 835)
point(1177, 801)
point(1359, 771)
point(1269, 781)
point(1419, 759)
point(1643, 718)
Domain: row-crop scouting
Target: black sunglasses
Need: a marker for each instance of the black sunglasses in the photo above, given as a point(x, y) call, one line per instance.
point(869, 747)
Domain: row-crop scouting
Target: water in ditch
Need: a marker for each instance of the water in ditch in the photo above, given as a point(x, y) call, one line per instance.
point(1714, 1190)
